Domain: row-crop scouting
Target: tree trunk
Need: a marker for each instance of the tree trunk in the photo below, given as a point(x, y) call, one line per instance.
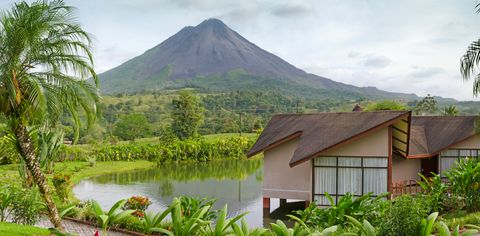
point(28, 181)
point(27, 151)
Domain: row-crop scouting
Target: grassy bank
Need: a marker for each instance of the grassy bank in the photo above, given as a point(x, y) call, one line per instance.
point(79, 170)
point(82, 170)
point(9, 229)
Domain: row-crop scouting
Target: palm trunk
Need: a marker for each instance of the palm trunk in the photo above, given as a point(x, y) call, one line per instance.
point(28, 178)
point(28, 154)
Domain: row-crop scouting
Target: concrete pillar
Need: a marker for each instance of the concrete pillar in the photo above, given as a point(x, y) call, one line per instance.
point(266, 207)
point(283, 202)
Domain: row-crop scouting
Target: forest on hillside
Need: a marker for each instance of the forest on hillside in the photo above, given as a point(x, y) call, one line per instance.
point(149, 114)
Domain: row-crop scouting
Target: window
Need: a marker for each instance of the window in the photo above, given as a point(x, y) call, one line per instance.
point(341, 175)
point(449, 157)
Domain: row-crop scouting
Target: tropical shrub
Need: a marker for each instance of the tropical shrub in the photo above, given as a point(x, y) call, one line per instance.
point(6, 198)
point(464, 181)
point(137, 203)
point(434, 191)
point(243, 229)
point(153, 223)
point(365, 207)
point(190, 205)
point(223, 226)
point(107, 218)
point(404, 217)
point(26, 206)
point(188, 150)
point(183, 226)
point(364, 228)
point(62, 184)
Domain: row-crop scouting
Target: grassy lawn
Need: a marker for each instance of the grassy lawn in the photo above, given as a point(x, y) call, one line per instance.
point(9, 229)
point(82, 170)
point(214, 137)
point(78, 170)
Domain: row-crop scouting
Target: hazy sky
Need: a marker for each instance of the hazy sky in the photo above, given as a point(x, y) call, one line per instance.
point(403, 46)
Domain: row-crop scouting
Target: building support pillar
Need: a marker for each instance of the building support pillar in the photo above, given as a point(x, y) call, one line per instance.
point(266, 207)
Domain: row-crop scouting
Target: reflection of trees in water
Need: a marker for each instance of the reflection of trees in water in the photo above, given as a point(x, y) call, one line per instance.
point(166, 188)
point(221, 169)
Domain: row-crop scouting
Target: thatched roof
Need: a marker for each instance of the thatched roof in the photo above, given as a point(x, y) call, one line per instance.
point(433, 134)
point(357, 107)
point(320, 132)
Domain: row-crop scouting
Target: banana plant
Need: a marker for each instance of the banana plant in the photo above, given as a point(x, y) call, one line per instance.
point(115, 214)
point(365, 228)
point(222, 226)
point(152, 223)
point(443, 230)
point(243, 230)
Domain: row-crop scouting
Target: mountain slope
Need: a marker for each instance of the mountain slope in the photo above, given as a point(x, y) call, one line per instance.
point(213, 56)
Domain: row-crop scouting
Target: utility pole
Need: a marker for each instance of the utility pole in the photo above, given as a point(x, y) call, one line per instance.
point(241, 126)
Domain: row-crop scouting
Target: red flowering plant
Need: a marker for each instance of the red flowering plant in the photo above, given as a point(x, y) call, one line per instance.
point(137, 203)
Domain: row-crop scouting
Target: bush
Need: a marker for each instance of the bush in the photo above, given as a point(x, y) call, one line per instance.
point(62, 184)
point(188, 150)
point(362, 208)
point(404, 216)
point(26, 206)
point(464, 181)
point(137, 203)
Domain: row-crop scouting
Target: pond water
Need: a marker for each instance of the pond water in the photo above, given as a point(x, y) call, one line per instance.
point(237, 183)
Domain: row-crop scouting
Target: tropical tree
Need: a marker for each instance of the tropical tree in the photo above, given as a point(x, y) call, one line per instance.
point(427, 106)
point(386, 105)
point(451, 110)
point(44, 59)
point(470, 61)
point(132, 126)
point(187, 115)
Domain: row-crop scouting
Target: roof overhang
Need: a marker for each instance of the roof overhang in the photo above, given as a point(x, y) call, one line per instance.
point(405, 117)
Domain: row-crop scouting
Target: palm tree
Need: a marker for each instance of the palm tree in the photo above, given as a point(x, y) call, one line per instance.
point(45, 57)
point(451, 111)
point(470, 61)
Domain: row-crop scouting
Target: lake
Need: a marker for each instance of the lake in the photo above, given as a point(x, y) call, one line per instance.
point(237, 183)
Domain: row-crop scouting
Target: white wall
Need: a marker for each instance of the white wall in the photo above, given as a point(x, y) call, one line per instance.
point(405, 169)
point(470, 143)
point(281, 181)
point(374, 144)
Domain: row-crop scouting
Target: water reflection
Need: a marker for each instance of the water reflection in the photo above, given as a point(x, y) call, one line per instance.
point(236, 183)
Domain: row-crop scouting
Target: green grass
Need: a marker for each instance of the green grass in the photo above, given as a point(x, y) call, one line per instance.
point(78, 170)
point(462, 219)
point(215, 137)
point(82, 170)
point(9, 229)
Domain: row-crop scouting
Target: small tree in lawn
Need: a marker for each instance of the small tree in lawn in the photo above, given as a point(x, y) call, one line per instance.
point(187, 115)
